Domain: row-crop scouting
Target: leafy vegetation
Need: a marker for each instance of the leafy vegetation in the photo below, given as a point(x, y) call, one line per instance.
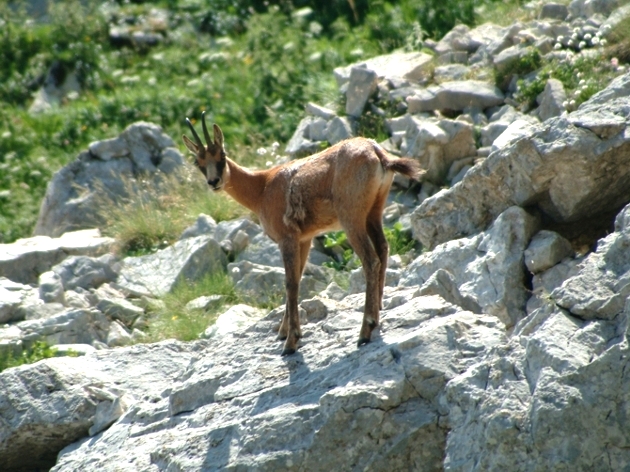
point(156, 216)
point(38, 351)
point(251, 64)
point(172, 319)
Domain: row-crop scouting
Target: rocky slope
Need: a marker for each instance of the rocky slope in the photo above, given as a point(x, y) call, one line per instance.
point(503, 346)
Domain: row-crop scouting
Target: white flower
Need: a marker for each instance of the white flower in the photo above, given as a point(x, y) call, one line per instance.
point(261, 151)
point(572, 103)
point(565, 104)
point(557, 46)
point(588, 36)
point(582, 45)
point(581, 82)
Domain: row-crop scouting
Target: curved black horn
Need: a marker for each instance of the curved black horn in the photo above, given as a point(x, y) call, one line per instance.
point(205, 129)
point(196, 136)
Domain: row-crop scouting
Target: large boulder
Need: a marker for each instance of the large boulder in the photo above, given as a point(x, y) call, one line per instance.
point(48, 405)
point(378, 408)
point(558, 167)
point(75, 194)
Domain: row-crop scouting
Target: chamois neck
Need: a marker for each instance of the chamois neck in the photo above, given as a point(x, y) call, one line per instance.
point(245, 186)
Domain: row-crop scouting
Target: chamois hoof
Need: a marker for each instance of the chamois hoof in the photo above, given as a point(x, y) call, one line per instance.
point(281, 337)
point(363, 341)
point(287, 351)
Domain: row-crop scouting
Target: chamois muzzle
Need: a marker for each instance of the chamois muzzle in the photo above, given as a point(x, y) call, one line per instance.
point(216, 184)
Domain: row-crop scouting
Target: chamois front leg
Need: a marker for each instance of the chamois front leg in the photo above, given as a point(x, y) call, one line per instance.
point(290, 327)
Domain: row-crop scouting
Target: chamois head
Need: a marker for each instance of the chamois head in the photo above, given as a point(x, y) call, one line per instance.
point(209, 159)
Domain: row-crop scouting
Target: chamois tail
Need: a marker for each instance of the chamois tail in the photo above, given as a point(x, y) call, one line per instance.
point(401, 165)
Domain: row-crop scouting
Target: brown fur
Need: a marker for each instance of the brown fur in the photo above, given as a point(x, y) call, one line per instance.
point(345, 186)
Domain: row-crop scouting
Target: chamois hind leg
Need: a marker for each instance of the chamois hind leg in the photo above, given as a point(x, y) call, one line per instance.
point(305, 248)
point(362, 245)
point(376, 234)
point(290, 326)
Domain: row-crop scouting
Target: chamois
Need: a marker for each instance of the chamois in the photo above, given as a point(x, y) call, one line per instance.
point(345, 186)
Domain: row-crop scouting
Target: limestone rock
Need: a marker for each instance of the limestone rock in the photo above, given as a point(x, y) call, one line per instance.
point(602, 286)
point(72, 196)
point(233, 321)
point(456, 95)
point(59, 398)
point(157, 274)
point(545, 250)
point(86, 272)
point(26, 259)
point(411, 66)
point(557, 166)
point(361, 86)
point(552, 99)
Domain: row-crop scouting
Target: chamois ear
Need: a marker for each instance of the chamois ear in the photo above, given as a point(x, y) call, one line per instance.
point(192, 147)
point(218, 136)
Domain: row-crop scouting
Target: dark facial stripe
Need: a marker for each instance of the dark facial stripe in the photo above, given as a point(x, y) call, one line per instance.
point(221, 166)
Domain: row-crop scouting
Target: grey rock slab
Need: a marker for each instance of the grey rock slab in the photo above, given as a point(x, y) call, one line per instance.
point(488, 268)
point(50, 288)
point(86, 272)
point(12, 296)
point(49, 405)
point(331, 406)
point(76, 193)
point(233, 321)
point(120, 309)
point(157, 274)
point(412, 66)
point(456, 95)
point(437, 144)
point(361, 86)
point(588, 8)
point(340, 128)
point(261, 284)
point(548, 398)
point(25, 259)
point(299, 144)
point(117, 335)
point(69, 326)
point(553, 11)
point(568, 172)
point(601, 287)
point(545, 250)
point(552, 99)
point(203, 225)
point(320, 111)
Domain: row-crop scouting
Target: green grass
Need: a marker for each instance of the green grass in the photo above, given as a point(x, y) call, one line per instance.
point(153, 217)
point(171, 320)
point(38, 351)
point(251, 66)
